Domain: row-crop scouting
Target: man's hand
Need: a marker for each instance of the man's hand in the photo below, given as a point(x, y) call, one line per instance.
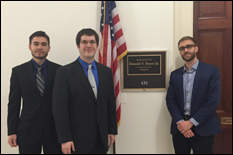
point(66, 147)
point(184, 126)
point(111, 139)
point(188, 134)
point(12, 140)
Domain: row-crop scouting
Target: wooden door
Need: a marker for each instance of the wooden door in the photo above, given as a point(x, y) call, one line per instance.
point(212, 29)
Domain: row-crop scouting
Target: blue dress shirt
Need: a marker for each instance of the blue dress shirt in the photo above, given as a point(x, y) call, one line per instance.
point(94, 70)
point(44, 69)
point(188, 79)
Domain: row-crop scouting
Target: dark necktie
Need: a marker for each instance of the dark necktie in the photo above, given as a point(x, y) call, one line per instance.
point(91, 79)
point(40, 81)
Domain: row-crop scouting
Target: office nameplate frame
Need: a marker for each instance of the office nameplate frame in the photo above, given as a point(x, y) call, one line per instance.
point(144, 70)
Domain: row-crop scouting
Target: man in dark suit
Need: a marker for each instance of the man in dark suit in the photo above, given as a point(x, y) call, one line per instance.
point(192, 99)
point(33, 82)
point(85, 112)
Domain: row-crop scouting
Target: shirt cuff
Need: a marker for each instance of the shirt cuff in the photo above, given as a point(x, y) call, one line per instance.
point(180, 121)
point(194, 121)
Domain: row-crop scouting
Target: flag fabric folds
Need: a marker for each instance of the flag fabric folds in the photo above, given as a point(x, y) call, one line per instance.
point(112, 46)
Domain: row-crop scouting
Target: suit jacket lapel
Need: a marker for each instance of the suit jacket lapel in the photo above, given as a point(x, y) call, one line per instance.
point(79, 72)
point(181, 85)
point(101, 81)
point(197, 79)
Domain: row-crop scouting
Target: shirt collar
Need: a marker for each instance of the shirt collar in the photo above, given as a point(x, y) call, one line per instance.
point(43, 66)
point(85, 64)
point(193, 68)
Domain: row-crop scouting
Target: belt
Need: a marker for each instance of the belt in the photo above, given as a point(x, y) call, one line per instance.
point(187, 117)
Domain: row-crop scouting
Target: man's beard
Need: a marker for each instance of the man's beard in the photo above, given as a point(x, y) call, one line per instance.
point(193, 55)
point(41, 57)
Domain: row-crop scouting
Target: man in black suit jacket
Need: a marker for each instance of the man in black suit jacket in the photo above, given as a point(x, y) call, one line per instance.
point(35, 126)
point(84, 123)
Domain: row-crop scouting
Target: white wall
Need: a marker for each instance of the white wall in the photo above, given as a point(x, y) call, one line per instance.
point(145, 121)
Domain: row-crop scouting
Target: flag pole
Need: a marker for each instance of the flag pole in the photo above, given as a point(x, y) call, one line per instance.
point(114, 147)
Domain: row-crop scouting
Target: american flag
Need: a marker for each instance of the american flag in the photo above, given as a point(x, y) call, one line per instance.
point(112, 46)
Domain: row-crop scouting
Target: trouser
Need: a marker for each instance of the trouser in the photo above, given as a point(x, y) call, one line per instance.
point(99, 147)
point(49, 147)
point(199, 144)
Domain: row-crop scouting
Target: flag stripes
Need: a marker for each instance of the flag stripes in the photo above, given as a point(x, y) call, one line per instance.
point(112, 46)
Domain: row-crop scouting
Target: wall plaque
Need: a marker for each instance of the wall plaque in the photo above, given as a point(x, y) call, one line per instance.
point(144, 70)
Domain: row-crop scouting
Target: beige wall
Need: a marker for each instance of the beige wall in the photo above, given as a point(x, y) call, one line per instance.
point(145, 121)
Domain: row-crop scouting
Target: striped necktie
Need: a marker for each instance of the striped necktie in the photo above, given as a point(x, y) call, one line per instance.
point(91, 79)
point(40, 81)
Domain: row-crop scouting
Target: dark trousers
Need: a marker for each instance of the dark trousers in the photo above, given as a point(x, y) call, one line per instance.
point(99, 147)
point(49, 147)
point(199, 144)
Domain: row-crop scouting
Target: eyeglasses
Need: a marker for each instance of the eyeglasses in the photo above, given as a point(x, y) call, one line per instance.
point(189, 46)
point(92, 42)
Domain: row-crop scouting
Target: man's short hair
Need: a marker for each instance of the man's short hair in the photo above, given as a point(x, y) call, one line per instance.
point(187, 38)
point(39, 34)
point(88, 32)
